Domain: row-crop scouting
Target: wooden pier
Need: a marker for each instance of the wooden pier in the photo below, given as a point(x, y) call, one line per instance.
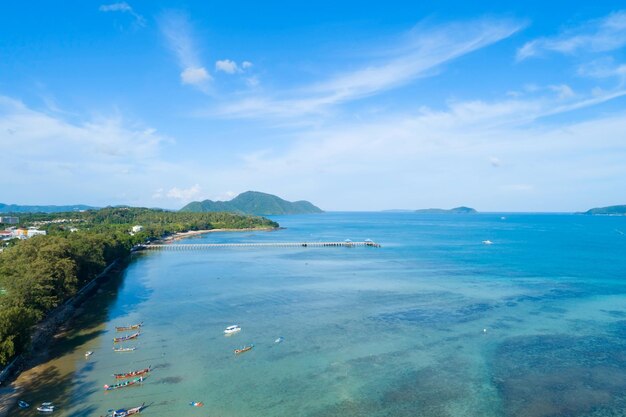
point(200, 246)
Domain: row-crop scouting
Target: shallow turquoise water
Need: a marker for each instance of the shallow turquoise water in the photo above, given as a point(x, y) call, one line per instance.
point(393, 331)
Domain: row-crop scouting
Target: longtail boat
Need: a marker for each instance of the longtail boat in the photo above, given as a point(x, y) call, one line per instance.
point(124, 349)
point(123, 412)
point(129, 327)
point(133, 373)
point(124, 384)
point(243, 349)
point(127, 337)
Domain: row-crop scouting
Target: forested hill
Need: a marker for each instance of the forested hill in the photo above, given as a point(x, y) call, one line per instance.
point(608, 211)
point(16, 208)
point(38, 274)
point(255, 203)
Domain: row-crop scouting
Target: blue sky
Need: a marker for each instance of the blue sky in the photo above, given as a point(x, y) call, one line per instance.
point(354, 106)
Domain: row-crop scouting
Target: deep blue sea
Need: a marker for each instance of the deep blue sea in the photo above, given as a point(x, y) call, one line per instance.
point(433, 323)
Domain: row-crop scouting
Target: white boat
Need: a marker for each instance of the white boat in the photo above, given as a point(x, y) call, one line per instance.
point(88, 353)
point(487, 242)
point(279, 340)
point(47, 405)
point(232, 329)
point(45, 408)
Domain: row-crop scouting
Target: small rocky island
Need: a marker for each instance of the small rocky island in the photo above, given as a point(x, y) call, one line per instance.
point(607, 211)
point(456, 210)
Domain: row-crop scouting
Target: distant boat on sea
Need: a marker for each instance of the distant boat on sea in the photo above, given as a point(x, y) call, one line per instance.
point(243, 349)
point(487, 242)
point(232, 329)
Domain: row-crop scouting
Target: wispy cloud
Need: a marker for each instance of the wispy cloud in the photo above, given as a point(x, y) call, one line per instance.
point(184, 195)
point(177, 31)
point(227, 66)
point(54, 150)
point(603, 68)
point(415, 151)
point(422, 51)
point(124, 8)
point(600, 35)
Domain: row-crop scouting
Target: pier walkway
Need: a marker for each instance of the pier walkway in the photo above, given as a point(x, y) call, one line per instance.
point(199, 246)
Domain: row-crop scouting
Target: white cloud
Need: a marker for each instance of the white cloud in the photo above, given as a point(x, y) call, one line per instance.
point(603, 68)
point(178, 34)
point(246, 64)
point(227, 66)
point(184, 194)
point(440, 156)
point(51, 151)
point(194, 76)
point(124, 8)
point(253, 81)
point(601, 35)
point(418, 55)
point(563, 91)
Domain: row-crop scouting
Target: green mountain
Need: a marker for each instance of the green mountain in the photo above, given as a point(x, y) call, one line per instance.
point(456, 210)
point(256, 203)
point(15, 208)
point(608, 211)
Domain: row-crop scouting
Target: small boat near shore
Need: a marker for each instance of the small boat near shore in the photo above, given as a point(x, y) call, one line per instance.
point(124, 349)
point(129, 327)
point(88, 353)
point(127, 337)
point(232, 329)
point(243, 349)
point(23, 404)
point(133, 373)
point(123, 412)
point(46, 408)
point(125, 384)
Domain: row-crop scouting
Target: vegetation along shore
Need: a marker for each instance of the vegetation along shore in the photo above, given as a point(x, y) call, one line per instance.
point(39, 274)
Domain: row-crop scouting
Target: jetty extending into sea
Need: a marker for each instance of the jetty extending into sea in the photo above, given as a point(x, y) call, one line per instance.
point(200, 246)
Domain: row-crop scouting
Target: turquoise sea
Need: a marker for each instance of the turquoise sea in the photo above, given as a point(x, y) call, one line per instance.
point(433, 323)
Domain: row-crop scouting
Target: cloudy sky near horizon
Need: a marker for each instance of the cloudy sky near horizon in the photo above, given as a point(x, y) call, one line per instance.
point(353, 106)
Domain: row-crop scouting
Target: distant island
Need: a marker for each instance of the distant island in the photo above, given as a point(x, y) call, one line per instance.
point(456, 210)
point(608, 211)
point(253, 203)
point(16, 208)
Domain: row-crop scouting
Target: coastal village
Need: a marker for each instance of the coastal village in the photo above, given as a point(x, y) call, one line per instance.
point(15, 232)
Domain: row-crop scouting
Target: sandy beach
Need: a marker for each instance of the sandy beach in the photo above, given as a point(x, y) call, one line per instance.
point(192, 233)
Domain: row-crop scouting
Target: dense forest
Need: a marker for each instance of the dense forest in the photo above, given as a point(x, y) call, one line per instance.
point(38, 274)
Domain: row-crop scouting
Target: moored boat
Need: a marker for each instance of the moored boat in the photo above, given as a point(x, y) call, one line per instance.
point(129, 327)
point(133, 373)
point(124, 349)
point(123, 412)
point(124, 384)
point(232, 329)
point(23, 404)
point(243, 349)
point(127, 337)
point(46, 408)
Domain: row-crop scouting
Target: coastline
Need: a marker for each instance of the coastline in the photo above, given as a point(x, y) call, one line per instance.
point(191, 233)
